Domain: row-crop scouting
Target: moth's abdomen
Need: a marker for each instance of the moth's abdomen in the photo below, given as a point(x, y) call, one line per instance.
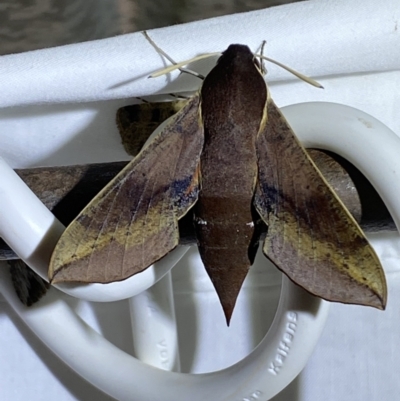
point(224, 212)
point(227, 245)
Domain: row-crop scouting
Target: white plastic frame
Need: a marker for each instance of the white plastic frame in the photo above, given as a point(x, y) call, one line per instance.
point(361, 139)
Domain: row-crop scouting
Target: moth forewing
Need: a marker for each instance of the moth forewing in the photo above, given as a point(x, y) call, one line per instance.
point(133, 221)
point(311, 235)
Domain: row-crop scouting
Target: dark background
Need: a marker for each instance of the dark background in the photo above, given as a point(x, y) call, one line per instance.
point(36, 24)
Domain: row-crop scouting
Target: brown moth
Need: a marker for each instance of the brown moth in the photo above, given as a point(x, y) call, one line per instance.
point(231, 155)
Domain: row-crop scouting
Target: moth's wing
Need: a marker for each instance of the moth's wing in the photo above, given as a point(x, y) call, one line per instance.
point(137, 122)
point(133, 221)
point(311, 236)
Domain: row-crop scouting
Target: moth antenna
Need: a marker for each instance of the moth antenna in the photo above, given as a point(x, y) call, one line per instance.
point(178, 66)
point(162, 52)
point(292, 71)
point(262, 65)
point(191, 72)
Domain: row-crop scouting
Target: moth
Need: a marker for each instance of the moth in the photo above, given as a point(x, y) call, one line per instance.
point(231, 156)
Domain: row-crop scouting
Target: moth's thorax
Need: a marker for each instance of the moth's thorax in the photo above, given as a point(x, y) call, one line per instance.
point(233, 94)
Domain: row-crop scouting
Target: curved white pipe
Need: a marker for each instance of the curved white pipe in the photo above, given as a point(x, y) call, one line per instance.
point(281, 355)
point(268, 369)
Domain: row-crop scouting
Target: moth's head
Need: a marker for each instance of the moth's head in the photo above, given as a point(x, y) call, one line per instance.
point(240, 54)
